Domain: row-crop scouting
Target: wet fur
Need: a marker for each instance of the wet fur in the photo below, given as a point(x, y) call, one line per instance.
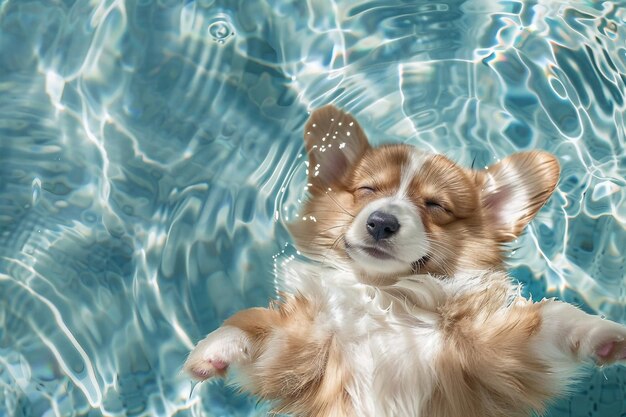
point(447, 336)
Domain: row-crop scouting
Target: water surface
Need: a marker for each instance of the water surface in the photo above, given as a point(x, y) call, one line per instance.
point(150, 153)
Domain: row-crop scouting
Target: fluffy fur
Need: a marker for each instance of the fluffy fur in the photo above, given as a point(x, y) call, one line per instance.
point(405, 311)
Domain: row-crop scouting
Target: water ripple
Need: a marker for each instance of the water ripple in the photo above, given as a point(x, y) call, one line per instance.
point(151, 153)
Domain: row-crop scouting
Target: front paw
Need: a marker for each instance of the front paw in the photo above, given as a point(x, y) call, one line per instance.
point(611, 350)
point(584, 336)
point(604, 341)
point(213, 355)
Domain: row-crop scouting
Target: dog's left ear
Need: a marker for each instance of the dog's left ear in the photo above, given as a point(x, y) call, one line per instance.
point(334, 142)
point(513, 190)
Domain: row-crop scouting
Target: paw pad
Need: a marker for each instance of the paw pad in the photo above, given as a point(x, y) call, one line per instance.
point(612, 351)
point(207, 369)
point(218, 364)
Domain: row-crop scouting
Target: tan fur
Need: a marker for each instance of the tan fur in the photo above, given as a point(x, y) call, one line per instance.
point(487, 368)
point(308, 378)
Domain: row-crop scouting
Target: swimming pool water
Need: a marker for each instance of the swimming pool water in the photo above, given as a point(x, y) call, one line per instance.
point(150, 152)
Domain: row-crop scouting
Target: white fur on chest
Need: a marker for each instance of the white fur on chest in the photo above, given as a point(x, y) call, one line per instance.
point(388, 336)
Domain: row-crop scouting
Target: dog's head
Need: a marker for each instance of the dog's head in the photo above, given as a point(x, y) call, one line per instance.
point(394, 209)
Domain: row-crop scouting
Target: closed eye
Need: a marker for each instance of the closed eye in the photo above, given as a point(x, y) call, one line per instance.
point(435, 205)
point(364, 190)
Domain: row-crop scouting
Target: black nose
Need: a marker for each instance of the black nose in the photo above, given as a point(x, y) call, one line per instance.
point(382, 225)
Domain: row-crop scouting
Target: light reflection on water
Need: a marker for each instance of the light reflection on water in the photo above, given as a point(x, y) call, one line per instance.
point(148, 148)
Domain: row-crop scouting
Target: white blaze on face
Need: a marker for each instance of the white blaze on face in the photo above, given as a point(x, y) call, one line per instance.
point(404, 247)
point(409, 172)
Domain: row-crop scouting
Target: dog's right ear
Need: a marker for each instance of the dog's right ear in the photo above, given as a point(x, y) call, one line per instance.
point(334, 142)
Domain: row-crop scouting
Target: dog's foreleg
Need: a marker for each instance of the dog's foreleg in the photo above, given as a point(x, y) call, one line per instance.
point(285, 353)
point(236, 343)
point(569, 337)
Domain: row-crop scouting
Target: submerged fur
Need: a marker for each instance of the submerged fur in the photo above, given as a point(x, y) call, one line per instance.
point(406, 311)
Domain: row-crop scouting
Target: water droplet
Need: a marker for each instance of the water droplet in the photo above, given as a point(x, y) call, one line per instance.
point(36, 190)
point(221, 29)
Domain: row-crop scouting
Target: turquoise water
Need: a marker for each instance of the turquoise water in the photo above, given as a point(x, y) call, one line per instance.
point(150, 154)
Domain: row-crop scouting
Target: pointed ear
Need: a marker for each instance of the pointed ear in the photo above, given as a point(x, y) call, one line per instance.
point(335, 142)
point(513, 190)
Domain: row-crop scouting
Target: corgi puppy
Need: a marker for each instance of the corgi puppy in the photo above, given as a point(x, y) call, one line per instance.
point(405, 309)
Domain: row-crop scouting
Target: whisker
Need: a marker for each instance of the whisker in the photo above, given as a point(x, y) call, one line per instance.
point(333, 227)
point(332, 247)
point(316, 211)
point(336, 241)
point(441, 249)
point(339, 205)
point(324, 253)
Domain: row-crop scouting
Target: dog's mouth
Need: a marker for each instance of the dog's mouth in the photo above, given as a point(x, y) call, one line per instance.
point(380, 253)
point(373, 251)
